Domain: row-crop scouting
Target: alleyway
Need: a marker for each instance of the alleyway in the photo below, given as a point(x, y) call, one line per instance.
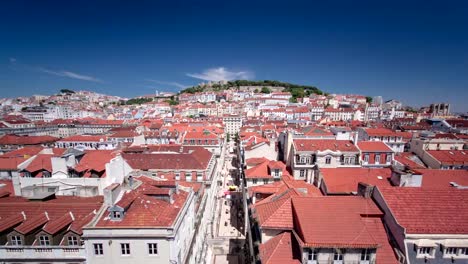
point(229, 217)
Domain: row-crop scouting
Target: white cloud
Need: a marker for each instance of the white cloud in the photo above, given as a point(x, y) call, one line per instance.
point(176, 84)
point(70, 74)
point(221, 74)
point(14, 64)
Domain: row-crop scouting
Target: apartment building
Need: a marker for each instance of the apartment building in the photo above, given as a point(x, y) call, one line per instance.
point(45, 228)
point(308, 155)
point(154, 221)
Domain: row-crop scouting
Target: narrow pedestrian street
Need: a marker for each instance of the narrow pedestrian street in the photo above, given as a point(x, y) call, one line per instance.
point(229, 217)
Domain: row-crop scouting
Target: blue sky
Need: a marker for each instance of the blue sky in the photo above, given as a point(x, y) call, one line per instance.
point(414, 51)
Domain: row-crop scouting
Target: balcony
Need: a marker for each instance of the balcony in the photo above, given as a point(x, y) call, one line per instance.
point(15, 253)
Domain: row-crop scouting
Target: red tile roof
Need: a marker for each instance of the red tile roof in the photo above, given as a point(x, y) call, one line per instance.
point(373, 146)
point(278, 250)
point(84, 138)
point(428, 210)
point(442, 178)
point(346, 180)
point(11, 221)
point(406, 159)
point(26, 140)
point(336, 221)
point(55, 225)
point(380, 132)
point(25, 152)
point(35, 212)
point(263, 171)
point(324, 144)
point(196, 160)
point(40, 162)
point(450, 157)
point(30, 224)
point(276, 213)
point(94, 160)
point(10, 164)
point(143, 209)
point(286, 183)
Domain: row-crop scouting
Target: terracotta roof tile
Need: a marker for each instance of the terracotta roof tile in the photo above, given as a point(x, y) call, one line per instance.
point(373, 146)
point(345, 180)
point(324, 144)
point(429, 210)
point(278, 250)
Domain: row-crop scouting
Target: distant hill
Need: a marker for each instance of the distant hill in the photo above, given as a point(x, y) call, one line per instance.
point(297, 90)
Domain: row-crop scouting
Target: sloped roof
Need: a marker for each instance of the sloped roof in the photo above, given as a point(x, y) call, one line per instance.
point(373, 146)
point(429, 210)
point(324, 144)
point(433, 178)
point(262, 171)
point(278, 250)
point(335, 221)
point(95, 160)
point(41, 214)
point(196, 160)
point(346, 180)
point(11, 139)
point(143, 209)
point(450, 157)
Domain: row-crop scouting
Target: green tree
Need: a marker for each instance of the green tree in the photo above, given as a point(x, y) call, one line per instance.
point(265, 90)
point(256, 91)
point(67, 91)
point(368, 99)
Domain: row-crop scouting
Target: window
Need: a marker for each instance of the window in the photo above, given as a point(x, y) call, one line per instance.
point(327, 160)
point(72, 241)
point(366, 158)
point(16, 241)
point(312, 254)
point(116, 214)
point(302, 173)
point(46, 174)
point(424, 251)
point(44, 241)
point(464, 251)
point(98, 250)
point(152, 248)
point(450, 251)
point(389, 158)
point(276, 173)
point(265, 181)
point(338, 255)
point(365, 254)
point(377, 158)
point(125, 248)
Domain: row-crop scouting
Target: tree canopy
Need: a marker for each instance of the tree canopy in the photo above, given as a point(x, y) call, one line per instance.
point(138, 101)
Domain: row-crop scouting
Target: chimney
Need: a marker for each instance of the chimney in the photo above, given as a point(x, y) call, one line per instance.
point(365, 190)
point(110, 194)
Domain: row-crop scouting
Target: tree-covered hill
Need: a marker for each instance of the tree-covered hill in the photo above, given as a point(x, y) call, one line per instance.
point(297, 90)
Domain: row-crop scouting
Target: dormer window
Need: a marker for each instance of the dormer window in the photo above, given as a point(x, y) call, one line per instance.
point(16, 241)
point(328, 160)
point(116, 215)
point(44, 240)
point(276, 173)
point(177, 175)
point(73, 241)
point(45, 174)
